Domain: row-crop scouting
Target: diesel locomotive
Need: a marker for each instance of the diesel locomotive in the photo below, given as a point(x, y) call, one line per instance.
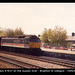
point(23, 41)
point(27, 42)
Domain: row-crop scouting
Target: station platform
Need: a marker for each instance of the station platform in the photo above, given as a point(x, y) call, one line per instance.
point(58, 51)
point(63, 54)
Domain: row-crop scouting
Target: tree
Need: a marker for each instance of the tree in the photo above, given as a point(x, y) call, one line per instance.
point(44, 36)
point(49, 31)
point(59, 36)
point(9, 32)
point(18, 31)
point(1, 33)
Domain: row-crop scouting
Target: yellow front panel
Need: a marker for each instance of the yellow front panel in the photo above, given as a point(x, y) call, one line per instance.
point(34, 45)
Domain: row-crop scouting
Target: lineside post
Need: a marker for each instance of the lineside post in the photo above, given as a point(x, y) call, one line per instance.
point(0, 41)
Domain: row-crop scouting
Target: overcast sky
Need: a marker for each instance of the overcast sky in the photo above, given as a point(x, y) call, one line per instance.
point(34, 17)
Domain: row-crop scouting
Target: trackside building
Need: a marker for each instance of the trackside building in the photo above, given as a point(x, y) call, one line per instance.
point(71, 39)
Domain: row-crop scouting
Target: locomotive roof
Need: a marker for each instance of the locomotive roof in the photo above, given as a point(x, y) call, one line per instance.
point(18, 36)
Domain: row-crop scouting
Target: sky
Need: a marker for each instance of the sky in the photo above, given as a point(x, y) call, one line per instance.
point(33, 18)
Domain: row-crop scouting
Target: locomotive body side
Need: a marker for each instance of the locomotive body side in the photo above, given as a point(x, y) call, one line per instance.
point(12, 42)
point(26, 42)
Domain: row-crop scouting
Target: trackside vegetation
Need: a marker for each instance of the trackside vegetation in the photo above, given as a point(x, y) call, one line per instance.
point(11, 32)
point(55, 37)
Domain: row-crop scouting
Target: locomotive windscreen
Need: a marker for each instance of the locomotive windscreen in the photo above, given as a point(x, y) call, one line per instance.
point(34, 39)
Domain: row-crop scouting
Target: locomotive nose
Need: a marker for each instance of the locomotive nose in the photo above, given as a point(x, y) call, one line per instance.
point(34, 45)
point(34, 42)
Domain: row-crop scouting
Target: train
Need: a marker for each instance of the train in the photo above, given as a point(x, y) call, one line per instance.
point(27, 42)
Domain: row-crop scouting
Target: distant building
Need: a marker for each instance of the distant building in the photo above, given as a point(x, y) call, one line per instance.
point(71, 39)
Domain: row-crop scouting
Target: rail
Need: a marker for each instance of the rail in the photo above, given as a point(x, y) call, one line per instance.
point(19, 63)
point(62, 62)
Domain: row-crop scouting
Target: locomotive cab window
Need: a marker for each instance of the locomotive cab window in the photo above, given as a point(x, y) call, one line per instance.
point(34, 39)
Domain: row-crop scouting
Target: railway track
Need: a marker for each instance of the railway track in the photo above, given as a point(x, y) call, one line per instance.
point(19, 63)
point(63, 62)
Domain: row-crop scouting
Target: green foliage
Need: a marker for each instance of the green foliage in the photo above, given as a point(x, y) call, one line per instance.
point(49, 31)
point(44, 37)
point(11, 32)
point(57, 36)
point(2, 33)
point(18, 31)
